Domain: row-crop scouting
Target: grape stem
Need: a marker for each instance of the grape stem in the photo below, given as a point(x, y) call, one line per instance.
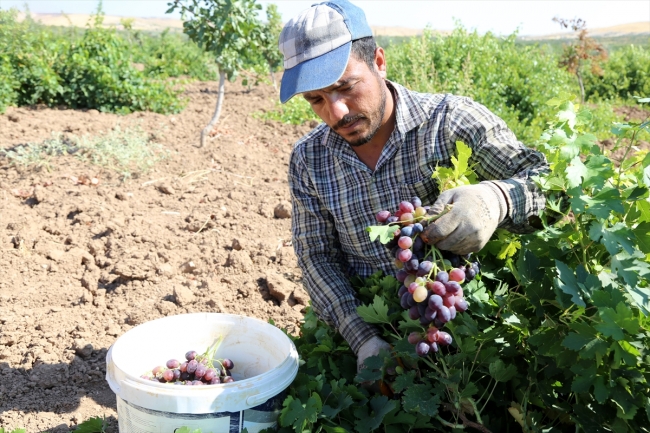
point(211, 351)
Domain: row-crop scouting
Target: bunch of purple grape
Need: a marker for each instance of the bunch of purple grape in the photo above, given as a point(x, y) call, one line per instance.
point(196, 370)
point(431, 279)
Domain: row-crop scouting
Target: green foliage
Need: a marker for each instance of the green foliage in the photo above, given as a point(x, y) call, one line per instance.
point(16, 430)
point(39, 66)
point(513, 81)
point(229, 29)
point(295, 111)
point(128, 152)
point(556, 336)
point(625, 75)
point(92, 425)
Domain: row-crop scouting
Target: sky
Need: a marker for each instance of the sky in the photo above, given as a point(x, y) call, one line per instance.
point(530, 17)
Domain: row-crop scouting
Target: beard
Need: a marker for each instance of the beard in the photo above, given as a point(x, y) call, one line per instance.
point(374, 119)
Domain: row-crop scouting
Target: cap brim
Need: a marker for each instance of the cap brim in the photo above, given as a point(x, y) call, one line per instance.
point(316, 73)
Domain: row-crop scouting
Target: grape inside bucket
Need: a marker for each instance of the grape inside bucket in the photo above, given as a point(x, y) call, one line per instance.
point(431, 279)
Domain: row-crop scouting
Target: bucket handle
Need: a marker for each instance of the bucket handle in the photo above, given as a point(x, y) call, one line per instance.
point(257, 399)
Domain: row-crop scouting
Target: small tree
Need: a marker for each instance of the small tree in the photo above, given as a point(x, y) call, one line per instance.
point(582, 51)
point(230, 29)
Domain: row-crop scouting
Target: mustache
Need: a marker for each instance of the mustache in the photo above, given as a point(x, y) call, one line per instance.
point(347, 120)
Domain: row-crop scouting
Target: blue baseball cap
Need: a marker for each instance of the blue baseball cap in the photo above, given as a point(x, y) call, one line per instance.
point(316, 45)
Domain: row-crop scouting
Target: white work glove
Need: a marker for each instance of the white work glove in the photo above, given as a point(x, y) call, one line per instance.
point(476, 212)
point(370, 348)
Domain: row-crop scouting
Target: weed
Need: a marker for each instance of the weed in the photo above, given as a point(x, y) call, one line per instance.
point(295, 112)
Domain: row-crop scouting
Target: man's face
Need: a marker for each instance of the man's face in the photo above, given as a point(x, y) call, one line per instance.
point(354, 106)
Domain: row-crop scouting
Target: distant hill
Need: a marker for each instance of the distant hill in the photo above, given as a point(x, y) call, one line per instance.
point(159, 24)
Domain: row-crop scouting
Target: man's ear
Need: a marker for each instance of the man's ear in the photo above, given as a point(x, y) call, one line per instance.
point(380, 61)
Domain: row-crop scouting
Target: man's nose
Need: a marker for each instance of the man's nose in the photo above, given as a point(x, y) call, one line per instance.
point(337, 108)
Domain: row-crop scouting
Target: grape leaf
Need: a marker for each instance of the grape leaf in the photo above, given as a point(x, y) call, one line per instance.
point(384, 233)
point(642, 234)
point(568, 284)
point(418, 398)
point(96, 425)
point(613, 237)
point(337, 429)
point(583, 381)
point(576, 341)
point(469, 390)
point(404, 381)
point(575, 172)
point(297, 414)
point(380, 406)
point(375, 313)
point(343, 400)
point(500, 372)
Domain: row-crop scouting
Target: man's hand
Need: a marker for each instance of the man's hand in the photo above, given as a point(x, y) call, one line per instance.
point(476, 213)
point(370, 348)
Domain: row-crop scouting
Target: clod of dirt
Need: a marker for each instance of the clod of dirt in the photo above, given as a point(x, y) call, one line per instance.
point(183, 296)
point(166, 189)
point(240, 260)
point(279, 288)
point(82, 348)
point(40, 195)
point(236, 245)
point(283, 210)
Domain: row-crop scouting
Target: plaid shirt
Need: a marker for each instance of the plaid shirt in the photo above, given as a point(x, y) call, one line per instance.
point(336, 196)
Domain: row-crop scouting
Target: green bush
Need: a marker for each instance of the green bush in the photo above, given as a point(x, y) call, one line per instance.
point(512, 80)
point(39, 65)
point(626, 74)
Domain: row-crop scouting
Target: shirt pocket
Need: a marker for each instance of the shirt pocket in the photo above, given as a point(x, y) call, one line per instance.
point(426, 189)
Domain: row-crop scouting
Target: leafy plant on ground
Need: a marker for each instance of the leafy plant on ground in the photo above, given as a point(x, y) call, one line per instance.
point(555, 339)
point(16, 430)
point(295, 111)
point(92, 425)
point(128, 152)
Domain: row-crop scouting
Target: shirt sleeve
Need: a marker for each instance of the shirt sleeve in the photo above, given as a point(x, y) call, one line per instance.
point(499, 157)
point(315, 242)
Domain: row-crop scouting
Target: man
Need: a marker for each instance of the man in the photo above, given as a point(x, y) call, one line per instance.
point(379, 145)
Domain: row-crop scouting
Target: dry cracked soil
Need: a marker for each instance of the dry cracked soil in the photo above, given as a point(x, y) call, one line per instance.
point(86, 255)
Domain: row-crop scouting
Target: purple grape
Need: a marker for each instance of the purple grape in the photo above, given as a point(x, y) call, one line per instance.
point(435, 302)
point(228, 364)
point(444, 315)
point(414, 314)
point(444, 339)
point(417, 228)
point(434, 347)
point(403, 289)
point(452, 311)
point(414, 337)
point(392, 219)
point(442, 276)
point(470, 273)
point(200, 371)
point(210, 374)
point(177, 374)
point(461, 305)
point(424, 268)
point(422, 307)
point(422, 348)
point(430, 314)
point(401, 275)
point(196, 383)
point(416, 202)
point(228, 379)
point(404, 255)
point(424, 321)
point(215, 380)
point(173, 363)
point(407, 231)
point(452, 287)
point(404, 301)
point(185, 376)
point(192, 365)
point(411, 302)
point(191, 355)
point(382, 216)
point(168, 375)
point(418, 244)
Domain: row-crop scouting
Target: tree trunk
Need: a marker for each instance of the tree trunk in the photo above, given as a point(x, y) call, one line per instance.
point(582, 87)
point(275, 86)
point(217, 112)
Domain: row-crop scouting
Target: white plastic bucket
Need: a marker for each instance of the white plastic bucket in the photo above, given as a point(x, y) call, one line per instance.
point(265, 359)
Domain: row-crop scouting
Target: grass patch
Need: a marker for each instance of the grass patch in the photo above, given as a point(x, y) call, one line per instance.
point(128, 152)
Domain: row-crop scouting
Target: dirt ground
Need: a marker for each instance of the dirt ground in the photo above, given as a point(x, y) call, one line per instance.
point(208, 229)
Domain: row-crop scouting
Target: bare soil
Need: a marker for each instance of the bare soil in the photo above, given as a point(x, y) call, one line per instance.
point(208, 229)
